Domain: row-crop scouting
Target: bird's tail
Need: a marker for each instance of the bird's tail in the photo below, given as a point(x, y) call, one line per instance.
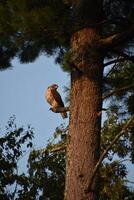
point(64, 115)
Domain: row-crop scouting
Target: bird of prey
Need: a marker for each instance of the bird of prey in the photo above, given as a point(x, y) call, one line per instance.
point(54, 99)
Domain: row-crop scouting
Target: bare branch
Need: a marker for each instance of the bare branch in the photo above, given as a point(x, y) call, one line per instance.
point(111, 70)
point(124, 55)
point(124, 160)
point(118, 90)
point(132, 182)
point(116, 39)
point(114, 61)
point(58, 148)
point(53, 149)
point(103, 155)
point(113, 67)
point(60, 110)
point(103, 109)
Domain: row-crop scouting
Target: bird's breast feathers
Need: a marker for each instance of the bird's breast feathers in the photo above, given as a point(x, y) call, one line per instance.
point(51, 99)
point(54, 99)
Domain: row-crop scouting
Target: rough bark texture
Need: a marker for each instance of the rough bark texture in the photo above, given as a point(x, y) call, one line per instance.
point(83, 145)
point(85, 125)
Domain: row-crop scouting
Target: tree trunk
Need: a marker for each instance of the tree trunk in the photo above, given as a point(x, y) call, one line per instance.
point(85, 124)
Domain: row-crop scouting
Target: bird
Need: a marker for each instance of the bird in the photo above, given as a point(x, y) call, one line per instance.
point(54, 99)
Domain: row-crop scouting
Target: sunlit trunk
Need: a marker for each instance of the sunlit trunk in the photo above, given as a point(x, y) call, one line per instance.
point(85, 123)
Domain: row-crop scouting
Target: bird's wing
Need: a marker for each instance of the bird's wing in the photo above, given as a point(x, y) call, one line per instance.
point(57, 98)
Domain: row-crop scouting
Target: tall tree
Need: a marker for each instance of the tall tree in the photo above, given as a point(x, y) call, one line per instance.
point(82, 34)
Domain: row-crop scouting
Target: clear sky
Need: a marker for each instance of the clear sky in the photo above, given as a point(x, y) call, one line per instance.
point(22, 94)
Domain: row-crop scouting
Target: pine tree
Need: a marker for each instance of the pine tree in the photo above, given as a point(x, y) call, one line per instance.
point(86, 36)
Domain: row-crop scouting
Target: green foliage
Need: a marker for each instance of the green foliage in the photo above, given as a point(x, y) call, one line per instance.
point(120, 106)
point(46, 167)
point(31, 28)
point(40, 27)
point(120, 76)
point(12, 148)
point(114, 169)
point(65, 61)
point(113, 182)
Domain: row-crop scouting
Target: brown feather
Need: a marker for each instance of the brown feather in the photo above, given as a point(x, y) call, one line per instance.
point(57, 98)
point(54, 99)
point(64, 115)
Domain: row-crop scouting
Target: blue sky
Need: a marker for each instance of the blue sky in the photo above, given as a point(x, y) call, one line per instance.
point(22, 94)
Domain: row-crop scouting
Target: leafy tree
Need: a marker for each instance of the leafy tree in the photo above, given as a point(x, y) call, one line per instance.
point(87, 36)
point(12, 149)
point(46, 164)
point(47, 167)
point(45, 178)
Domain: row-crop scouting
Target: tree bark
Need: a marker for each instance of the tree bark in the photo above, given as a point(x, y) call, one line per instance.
point(83, 145)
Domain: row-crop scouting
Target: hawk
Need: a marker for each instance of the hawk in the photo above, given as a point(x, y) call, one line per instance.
point(54, 99)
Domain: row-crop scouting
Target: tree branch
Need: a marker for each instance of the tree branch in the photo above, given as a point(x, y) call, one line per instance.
point(53, 149)
point(118, 90)
point(111, 70)
point(103, 109)
point(16, 184)
point(58, 148)
point(116, 39)
point(59, 110)
point(132, 182)
point(103, 155)
point(113, 67)
point(124, 55)
point(114, 61)
point(124, 160)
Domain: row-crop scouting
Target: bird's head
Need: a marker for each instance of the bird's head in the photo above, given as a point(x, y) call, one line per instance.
point(54, 86)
